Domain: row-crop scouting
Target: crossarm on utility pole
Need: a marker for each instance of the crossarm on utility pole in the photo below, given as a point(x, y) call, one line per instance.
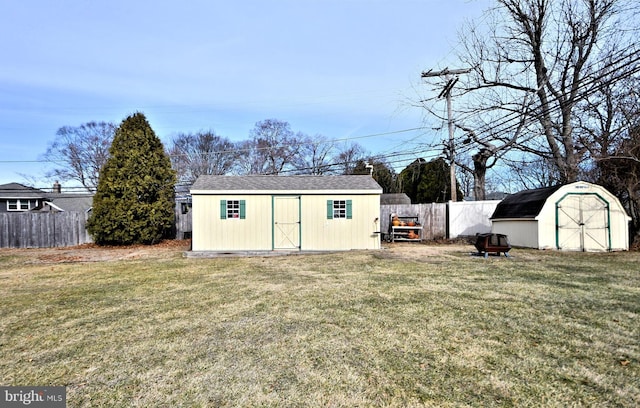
point(447, 93)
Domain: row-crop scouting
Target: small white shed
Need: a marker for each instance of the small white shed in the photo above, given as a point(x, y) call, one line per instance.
point(285, 213)
point(574, 217)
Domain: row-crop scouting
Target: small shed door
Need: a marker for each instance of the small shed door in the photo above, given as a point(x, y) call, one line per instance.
point(286, 222)
point(582, 223)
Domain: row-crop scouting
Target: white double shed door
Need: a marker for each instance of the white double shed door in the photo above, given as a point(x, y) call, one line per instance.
point(583, 223)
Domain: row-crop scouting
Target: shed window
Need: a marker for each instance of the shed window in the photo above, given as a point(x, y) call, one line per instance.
point(230, 209)
point(339, 209)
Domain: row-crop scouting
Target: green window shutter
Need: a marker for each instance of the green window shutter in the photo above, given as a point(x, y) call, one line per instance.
point(329, 209)
point(223, 209)
point(349, 209)
point(243, 213)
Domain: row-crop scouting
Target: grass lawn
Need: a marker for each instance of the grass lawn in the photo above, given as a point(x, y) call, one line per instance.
point(353, 329)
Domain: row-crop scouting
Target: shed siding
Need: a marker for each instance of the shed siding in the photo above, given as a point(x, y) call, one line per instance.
point(619, 228)
point(211, 233)
point(255, 232)
point(320, 233)
point(521, 233)
point(547, 225)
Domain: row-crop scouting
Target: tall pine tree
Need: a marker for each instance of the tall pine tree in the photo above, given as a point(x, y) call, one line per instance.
point(428, 182)
point(134, 202)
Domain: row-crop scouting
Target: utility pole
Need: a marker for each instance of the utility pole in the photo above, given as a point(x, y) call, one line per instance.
point(451, 81)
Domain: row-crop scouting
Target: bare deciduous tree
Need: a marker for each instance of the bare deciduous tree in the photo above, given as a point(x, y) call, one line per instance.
point(316, 155)
point(201, 153)
point(272, 149)
point(530, 174)
point(347, 157)
point(552, 51)
point(80, 152)
point(488, 154)
point(610, 131)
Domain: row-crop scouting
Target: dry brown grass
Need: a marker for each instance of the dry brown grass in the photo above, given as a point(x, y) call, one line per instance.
point(412, 325)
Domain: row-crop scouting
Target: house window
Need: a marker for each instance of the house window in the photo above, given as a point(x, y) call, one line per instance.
point(339, 209)
point(232, 209)
point(21, 205)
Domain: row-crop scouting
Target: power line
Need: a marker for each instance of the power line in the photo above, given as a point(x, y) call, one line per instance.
point(399, 157)
point(394, 132)
point(585, 86)
point(511, 121)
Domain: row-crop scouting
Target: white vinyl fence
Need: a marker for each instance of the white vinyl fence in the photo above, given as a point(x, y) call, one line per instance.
point(468, 218)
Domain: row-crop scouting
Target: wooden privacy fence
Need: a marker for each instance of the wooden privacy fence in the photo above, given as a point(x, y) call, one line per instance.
point(61, 229)
point(43, 230)
point(183, 221)
point(433, 217)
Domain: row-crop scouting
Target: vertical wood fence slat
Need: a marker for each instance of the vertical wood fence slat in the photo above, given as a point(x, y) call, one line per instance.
point(433, 217)
point(183, 223)
point(43, 230)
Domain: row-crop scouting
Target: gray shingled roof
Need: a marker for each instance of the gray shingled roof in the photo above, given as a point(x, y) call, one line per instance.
point(72, 202)
point(286, 183)
point(16, 190)
point(389, 199)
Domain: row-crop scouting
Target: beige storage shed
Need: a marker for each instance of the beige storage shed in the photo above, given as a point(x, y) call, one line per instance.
point(285, 213)
point(574, 217)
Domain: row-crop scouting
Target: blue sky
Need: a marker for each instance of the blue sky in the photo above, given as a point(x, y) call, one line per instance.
point(345, 69)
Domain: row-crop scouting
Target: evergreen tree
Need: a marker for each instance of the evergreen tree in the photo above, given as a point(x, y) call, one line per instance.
point(427, 182)
point(382, 173)
point(134, 202)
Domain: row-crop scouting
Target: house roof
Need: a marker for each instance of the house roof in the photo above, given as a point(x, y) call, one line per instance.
point(16, 190)
point(525, 204)
point(71, 202)
point(264, 184)
point(63, 202)
point(399, 198)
